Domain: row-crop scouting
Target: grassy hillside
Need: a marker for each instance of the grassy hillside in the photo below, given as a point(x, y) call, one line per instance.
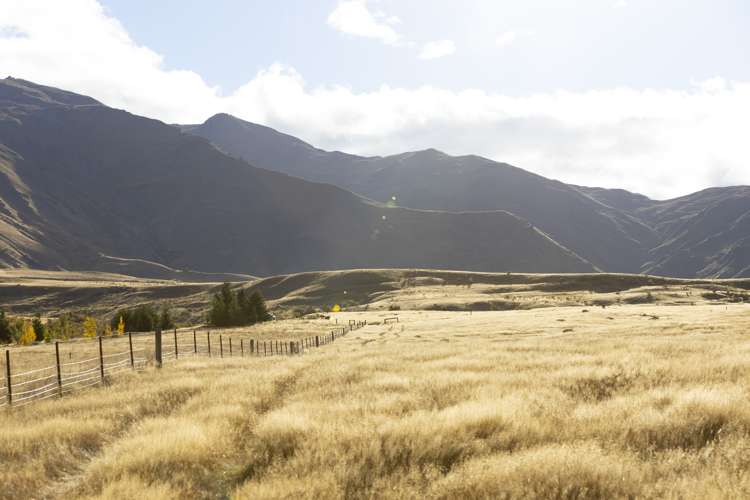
point(633, 401)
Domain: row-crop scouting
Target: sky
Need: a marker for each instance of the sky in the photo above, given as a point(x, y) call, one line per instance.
point(652, 96)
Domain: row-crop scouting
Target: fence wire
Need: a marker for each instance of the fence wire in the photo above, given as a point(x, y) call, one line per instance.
point(19, 389)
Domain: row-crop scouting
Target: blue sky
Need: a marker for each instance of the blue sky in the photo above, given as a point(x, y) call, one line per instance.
point(556, 44)
point(647, 95)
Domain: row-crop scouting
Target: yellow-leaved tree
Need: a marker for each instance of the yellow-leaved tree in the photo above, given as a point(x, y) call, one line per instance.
point(107, 330)
point(89, 327)
point(28, 336)
point(121, 327)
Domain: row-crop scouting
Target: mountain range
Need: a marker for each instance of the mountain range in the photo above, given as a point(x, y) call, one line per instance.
point(705, 234)
point(87, 187)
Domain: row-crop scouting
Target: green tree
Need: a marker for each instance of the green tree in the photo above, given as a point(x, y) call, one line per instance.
point(246, 309)
point(260, 307)
point(165, 320)
point(223, 307)
point(143, 318)
point(6, 334)
point(230, 308)
point(39, 328)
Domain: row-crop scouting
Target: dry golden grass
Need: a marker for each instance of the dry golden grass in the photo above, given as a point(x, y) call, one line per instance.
point(543, 403)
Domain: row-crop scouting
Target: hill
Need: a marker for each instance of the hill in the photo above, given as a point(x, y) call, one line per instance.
point(87, 187)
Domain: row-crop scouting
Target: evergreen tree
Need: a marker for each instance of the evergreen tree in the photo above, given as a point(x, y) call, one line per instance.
point(6, 335)
point(247, 314)
point(259, 304)
point(230, 308)
point(39, 328)
point(165, 320)
point(223, 307)
point(142, 318)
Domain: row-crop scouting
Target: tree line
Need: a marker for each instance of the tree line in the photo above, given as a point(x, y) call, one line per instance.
point(143, 318)
point(24, 331)
point(228, 308)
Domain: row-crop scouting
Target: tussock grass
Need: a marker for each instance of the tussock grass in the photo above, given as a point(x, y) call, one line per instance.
point(441, 405)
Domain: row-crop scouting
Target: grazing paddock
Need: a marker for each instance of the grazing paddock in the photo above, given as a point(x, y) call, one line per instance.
point(47, 371)
point(76, 350)
point(630, 401)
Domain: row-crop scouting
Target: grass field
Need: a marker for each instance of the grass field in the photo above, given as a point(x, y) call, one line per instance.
point(636, 400)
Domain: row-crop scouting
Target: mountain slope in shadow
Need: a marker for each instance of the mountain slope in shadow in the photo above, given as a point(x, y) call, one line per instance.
point(87, 187)
point(704, 234)
point(610, 238)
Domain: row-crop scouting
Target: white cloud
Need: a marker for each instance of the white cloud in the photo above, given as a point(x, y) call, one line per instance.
point(507, 38)
point(659, 142)
point(353, 17)
point(437, 49)
point(621, 4)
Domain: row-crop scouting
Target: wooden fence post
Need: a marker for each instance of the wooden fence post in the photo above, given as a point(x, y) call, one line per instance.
point(57, 365)
point(208, 337)
point(317, 341)
point(130, 344)
point(9, 386)
point(230, 347)
point(242, 348)
point(221, 346)
point(101, 359)
point(195, 343)
point(252, 346)
point(176, 354)
point(157, 347)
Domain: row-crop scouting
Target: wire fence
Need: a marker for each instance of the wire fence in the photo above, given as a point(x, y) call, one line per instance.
point(103, 358)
